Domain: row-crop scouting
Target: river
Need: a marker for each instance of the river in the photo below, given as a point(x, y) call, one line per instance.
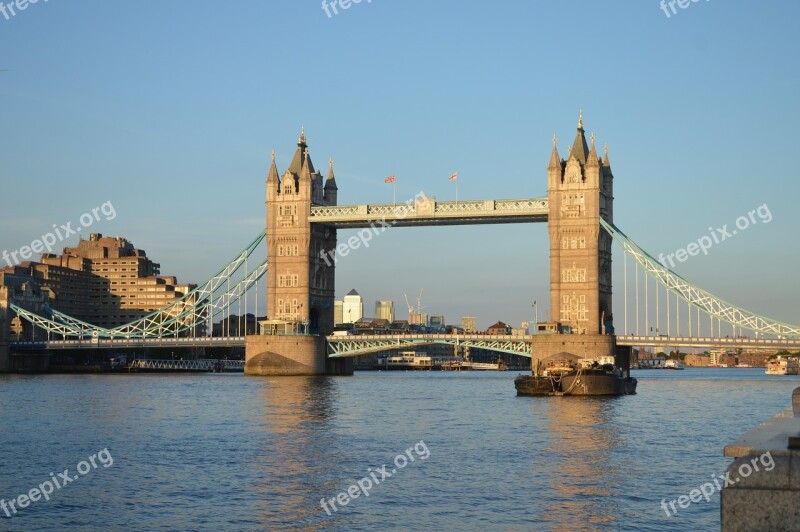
point(228, 452)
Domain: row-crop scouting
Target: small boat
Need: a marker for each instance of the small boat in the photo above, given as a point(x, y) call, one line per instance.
point(743, 366)
point(673, 364)
point(567, 374)
point(783, 366)
point(408, 360)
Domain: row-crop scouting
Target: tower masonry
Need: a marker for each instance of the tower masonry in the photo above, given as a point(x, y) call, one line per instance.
point(580, 192)
point(300, 282)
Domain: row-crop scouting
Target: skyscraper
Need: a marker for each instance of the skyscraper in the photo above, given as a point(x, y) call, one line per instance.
point(436, 321)
point(353, 307)
point(469, 323)
point(338, 312)
point(384, 310)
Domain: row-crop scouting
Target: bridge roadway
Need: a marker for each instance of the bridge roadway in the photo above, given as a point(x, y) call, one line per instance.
point(428, 211)
point(121, 343)
point(354, 345)
point(708, 342)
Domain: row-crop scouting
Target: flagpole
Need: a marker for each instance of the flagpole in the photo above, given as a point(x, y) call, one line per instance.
point(456, 191)
point(394, 192)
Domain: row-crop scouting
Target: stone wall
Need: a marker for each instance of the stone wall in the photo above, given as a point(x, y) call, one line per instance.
point(583, 345)
point(292, 355)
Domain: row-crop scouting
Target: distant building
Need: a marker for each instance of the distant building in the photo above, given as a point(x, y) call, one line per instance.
point(436, 321)
point(105, 281)
point(499, 328)
point(418, 319)
point(697, 360)
point(352, 307)
point(756, 359)
point(525, 326)
point(338, 312)
point(469, 324)
point(384, 310)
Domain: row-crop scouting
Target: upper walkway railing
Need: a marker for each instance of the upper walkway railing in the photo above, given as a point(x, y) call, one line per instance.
point(428, 211)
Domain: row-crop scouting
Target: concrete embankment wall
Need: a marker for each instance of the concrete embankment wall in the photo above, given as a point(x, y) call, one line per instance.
point(765, 494)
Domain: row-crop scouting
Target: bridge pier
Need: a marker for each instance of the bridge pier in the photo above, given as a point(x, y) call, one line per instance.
point(272, 355)
point(5, 357)
point(583, 345)
point(5, 364)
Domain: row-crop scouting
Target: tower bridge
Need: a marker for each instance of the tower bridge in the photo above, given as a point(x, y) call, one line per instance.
point(302, 220)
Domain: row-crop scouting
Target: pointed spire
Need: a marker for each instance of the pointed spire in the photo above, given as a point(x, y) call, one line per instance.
point(272, 176)
point(592, 160)
point(606, 160)
point(331, 180)
point(301, 156)
point(555, 160)
point(579, 147)
point(306, 169)
point(330, 169)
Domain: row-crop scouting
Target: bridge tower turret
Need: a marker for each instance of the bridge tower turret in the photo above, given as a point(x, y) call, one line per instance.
point(580, 192)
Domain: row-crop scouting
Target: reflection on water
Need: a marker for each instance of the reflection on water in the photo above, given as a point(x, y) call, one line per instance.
point(580, 458)
point(295, 409)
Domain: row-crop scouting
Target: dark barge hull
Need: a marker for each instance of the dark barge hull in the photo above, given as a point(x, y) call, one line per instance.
point(589, 383)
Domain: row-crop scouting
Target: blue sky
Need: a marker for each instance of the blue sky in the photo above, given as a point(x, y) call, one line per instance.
point(170, 110)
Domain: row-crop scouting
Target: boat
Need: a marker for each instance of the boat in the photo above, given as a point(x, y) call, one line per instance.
point(567, 374)
point(717, 365)
point(485, 366)
point(783, 366)
point(743, 366)
point(673, 364)
point(407, 360)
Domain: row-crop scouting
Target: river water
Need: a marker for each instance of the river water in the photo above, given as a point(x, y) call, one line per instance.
point(228, 452)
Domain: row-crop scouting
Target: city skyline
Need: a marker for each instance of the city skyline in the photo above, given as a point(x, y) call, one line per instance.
point(191, 192)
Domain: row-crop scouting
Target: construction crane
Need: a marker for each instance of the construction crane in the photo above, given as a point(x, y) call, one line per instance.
point(411, 311)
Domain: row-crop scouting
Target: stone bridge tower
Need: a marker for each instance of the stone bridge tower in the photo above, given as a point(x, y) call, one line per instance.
point(300, 274)
point(580, 192)
point(300, 281)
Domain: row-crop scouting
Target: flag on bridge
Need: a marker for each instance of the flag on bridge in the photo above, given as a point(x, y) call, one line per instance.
point(454, 176)
point(389, 179)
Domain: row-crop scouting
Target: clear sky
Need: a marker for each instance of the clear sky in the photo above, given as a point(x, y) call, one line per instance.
point(170, 110)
